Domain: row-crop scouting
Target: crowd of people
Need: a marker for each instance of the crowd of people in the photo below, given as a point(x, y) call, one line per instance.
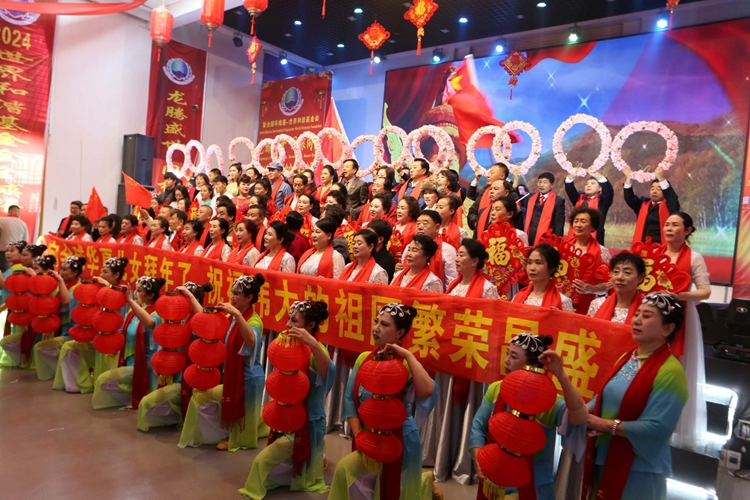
point(295, 226)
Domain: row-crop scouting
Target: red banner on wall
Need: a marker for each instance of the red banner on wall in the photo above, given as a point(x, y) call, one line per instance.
point(26, 41)
point(459, 336)
point(741, 283)
point(292, 106)
point(175, 99)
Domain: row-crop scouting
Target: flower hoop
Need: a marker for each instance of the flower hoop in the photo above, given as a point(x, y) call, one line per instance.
point(282, 140)
point(201, 167)
point(446, 150)
point(376, 151)
point(185, 165)
point(317, 151)
point(604, 135)
point(536, 146)
point(277, 154)
point(501, 139)
point(644, 126)
point(346, 148)
point(247, 142)
point(214, 150)
point(387, 133)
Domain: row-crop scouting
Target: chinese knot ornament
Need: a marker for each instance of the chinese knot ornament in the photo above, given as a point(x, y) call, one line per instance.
point(418, 14)
point(255, 8)
point(374, 37)
point(161, 27)
point(253, 51)
point(212, 15)
point(514, 64)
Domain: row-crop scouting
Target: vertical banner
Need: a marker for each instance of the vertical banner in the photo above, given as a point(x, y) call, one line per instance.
point(26, 41)
point(292, 106)
point(175, 99)
point(741, 288)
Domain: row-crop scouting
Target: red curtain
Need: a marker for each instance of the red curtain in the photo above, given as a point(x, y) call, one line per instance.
point(71, 9)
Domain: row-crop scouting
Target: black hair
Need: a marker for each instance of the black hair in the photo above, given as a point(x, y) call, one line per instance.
point(204, 177)
point(262, 200)
point(595, 216)
point(282, 232)
point(687, 221)
point(432, 215)
point(215, 171)
point(510, 205)
point(452, 179)
point(336, 213)
point(223, 200)
point(294, 220)
point(370, 237)
point(532, 357)
point(117, 265)
point(259, 208)
point(428, 245)
point(224, 226)
point(403, 316)
point(210, 189)
point(181, 216)
point(332, 171)
point(672, 312)
point(75, 263)
point(221, 178)
point(413, 205)
point(229, 207)
point(80, 219)
point(314, 203)
point(35, 250)
point(547, 175)
point(476, 250)
point(132, 219)
point(196, 226)
point(328, 226)
point(237, 165)
point(630, 258)
point(316, 313)
point(452, 200)
point(108, 220)
point(170, 175)
point(184, 190)
point(199, 291)
point(385, 200)
point(154, 289)
point(550, 255)
point(340, 196)
point(354, 162)
point(424, 164)
point(382, 228)
point(250, 285)
point(301, 177)
point(46, 262)
point(503, 167)
point(265, 183)
point(250, 227)
point(253, 170)
point(244, 179)
point(163, 222)
point(77, 203)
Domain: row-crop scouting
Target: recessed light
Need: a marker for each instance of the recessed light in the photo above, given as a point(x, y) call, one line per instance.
point(445, 30)
point(407, 5)
point(391, 41)
point(520, 16)
point(357, 10)
point(341, 45)
point(352, 18)
point(298, 23)
point(463, 20)
point(330, 53)
point(288, 35)
point(541, 5)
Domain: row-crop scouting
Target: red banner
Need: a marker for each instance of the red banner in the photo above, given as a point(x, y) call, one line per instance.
point(741, 283)
point(292, 106)
point(459, 336)
point(26, 42)
point(175, 99)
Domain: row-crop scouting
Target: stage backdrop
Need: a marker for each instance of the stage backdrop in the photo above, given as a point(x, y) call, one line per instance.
point(694, 80)
point(26, 42)
point(175, 100)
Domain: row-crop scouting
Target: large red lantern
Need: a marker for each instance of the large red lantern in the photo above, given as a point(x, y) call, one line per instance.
point(386, 414)
point(526, 434)
point(18, 301)
point(288, 354)
point(288, 385)
point(161, 27)
point(418, 14)
point(42, 284)
point(202, 378)
point(288, 388)
point(21, 318)
point(82, 334)
point(255, 8)
point(85, 292)
point(171, 335)
point(284, 418)
point(172, 306)
point(46, 325)
point(44, 305)
point(107, 321)
point(374, 37)
point(109, 343)
point(383, 375)
point(381, 448)
point(111, 297)
point(529, 391)
point(212, 15)
point(253, 51)
point(210, 324)
point(84, 315)
point(17, 282)
point(167, 363)
point(502, 468)
point(207, 354)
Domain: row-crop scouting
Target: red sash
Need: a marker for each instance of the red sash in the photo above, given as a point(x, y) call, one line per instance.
point(27, 342)
point(191, 248)
point(363, 276)
point(140, 366)
point(436, 262)
point(107, 240)
point(259, 238)
point(551, 295)
point(64, 224)
point(484, 216)
point(213, 251)
point(127, 240)
point(325, 267)
point(410, 229)
point(620, 456)
point(476, 286)
point(233, 393)
point(364, 214)
point(275, 190)
point(684, 264)
point(75, 237)
point(178, 240)
point(159, 242)
point(414, 192)
point(417, 281)
point(640, 224)
point(451, 235)
point(607, 309)
point(592, 203)
point(484, 201)
point(275, 264)
point(545, 221)
point(237, 255)
point(287, 205)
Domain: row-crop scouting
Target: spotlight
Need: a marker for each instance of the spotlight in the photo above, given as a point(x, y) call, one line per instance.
point(377, 59)
point(500, 45)
point(357, 10)
point(437, 55)
point(463, 20)
point(575, 34)
point(341, 45)
point(237, 39)
point(541, 5)
point(283, 58)
point(662, 21)
point(298, 23)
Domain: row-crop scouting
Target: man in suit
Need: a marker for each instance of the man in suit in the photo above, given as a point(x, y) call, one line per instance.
point(653, 210)
point(356, 189)
point(497, 172)
point(497, 189)
point(544, 210)
point(597, 194)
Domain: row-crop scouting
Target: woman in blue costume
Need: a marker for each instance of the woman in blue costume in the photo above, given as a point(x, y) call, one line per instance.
point(532, 350)
point(13, 255)
point(275, 465)
point(637, 411)
point(239, 412)
point(133, 379)
point(77, 360)
point(352, 476)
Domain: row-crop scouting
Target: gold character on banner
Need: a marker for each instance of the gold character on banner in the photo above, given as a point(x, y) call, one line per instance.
point(167, 144)
point(287, 298)
point(349, 315)
point(174, 128)
point(13, 107)
point(12, 72)
point(317, 295)
point(176, 113)
point(5, 87)
point(475, 328)
point(177, 97)
point(14, 56)
point(576, 352)
point(427, 326)
point(7, 139)
point(9, 123)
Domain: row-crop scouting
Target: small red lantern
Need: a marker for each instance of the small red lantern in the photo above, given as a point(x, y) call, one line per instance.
point(374, 37)
point(82, 334)
point(288, 354)
point(385, 414)
point(46, 325)
point(201, 378)
point(171, 335)
point(42, 284)
point(44, 305)
point(502, 469)
point(21, 318)
point(255, 8)
point(17, 282)
point(207, 354)
point(167, 363)
point(379, 447)
point(287, 388)
point(172, 306)
point(107, 321)
point(84, 315)
point(529, 391)
point(517, 433)
point(284, 418)
point(385, 377)
point(210, 324)
point(418, 14)
point(161, 27)
point(85, 292)
point(109, 343)
point(253, 51)
point(111, 297)
point(212, 15)
point(18, 301)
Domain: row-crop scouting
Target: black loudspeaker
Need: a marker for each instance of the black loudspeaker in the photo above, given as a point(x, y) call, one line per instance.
point(138, 157)
point(738, 316)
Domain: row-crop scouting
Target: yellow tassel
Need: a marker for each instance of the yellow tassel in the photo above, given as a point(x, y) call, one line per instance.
point(371, 465)
point(165, 380)
point(493, 491)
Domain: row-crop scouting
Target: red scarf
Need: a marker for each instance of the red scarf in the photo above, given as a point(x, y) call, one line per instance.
point(140, 366)
point(233, 393)
point(620, 456)
point(237, 256)
point(287, 205)
point(684, 264)
point(417, 281)
point(593, 203)
point(451, 235)
point(159, 242)
point(640, 224)
point(607, 309)
point(436, 262)
point(594, 249)
point(186, 390)
point(213, 252)
point(64, 223)
point(191, 248)
point(276, 261)
point(484, 216)
point(259, 238)
point(410, 229)
point(414, 192)
point(545, 221)
point(551, 295)
point(363, 276)
point(364, 214)
point(75, 237)
point(127, 240)
point(109, 239)
point(178, 240)
point(484, 201)
point(325, 267)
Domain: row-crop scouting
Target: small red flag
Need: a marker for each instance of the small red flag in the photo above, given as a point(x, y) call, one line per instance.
point(135, 194)
point(95, 209)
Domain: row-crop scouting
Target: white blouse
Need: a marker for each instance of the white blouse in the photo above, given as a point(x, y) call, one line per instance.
point(489, 291)
point(310, 267)
point(288, 265)
point(620, 315)
point(567, 304)
point(431, 284)
point(378, 276)
point(251, 258)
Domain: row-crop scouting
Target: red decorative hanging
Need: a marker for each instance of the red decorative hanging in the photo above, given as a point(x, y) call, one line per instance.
point(212, 15)
point(85, 292)
point(529, 391)
point(109, 343)
point(46, 325)
point(161, 27)
point(379, 447)
point(21, 318)
point(111, 297)
point(207, 354)
point(526, 436)
point(18, 301)
point(17, 282)
point(167, 363)
point(671, 4)
point(202, 378)
point(288, 388)
point(284, 418)
point(171, 335)
point(44, 305)
point(172, 306)
point(514, 64)
point(210, 324)
point(386, 414)
point(505, 264)
point(418, 14)
point(502, 468)
point(324, 9)
point(288, 354)
point(84, 315)
point(255, 8)
point(42, 284)
point(383, 376)
point(82, 334)
point(253, 51)
point(374, 37)
point(288, 385)
point(107, 321)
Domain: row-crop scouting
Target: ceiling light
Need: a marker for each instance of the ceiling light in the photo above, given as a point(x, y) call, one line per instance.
point(520, 16)
point(575, 34)
point(662, 21)
point(330, 53)
point(237, 39)
point(282, 56)
point(437, 55)
point(377, 59)
point(298, 23)
point(500, 45)
point(341, 45)
point(357, 10)
point(445, 30)
point(463, 20)
point(541, 5)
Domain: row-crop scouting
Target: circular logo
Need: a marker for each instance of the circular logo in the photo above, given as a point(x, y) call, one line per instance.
point(178, 71)
point(291, 101)
point(19, 18)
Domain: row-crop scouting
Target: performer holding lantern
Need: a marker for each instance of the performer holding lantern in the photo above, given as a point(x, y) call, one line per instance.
point(13, 256)
point(295, 458)
point(388, 463)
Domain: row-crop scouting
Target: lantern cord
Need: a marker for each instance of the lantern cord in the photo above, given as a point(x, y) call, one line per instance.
point(252, 25)
point(671, 14)
point(253, 80)
point(324, 9)
point(419, 45)
point(158, 54)
point(210, 38)
point(511, 93)
point(372, 55)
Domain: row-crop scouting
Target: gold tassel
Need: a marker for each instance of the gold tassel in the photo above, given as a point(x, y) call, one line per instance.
point(372, 466)
point(165, 380)
point(493, 491)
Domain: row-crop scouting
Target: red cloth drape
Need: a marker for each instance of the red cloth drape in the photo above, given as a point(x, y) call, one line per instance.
point(71, 9)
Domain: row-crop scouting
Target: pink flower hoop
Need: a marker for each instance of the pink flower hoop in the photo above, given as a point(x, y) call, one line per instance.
point(214, 150)
point(277, 154)
point(536, 145)
point(390, 133)
point(346, 148)
point(186, 165)
point(282, 140)
point(377, 152)
point(501, 139)
point(446, 150)
point(644, 126)
point(201, 167)
point(247, 142)
point(317, 151)
point(604, 135)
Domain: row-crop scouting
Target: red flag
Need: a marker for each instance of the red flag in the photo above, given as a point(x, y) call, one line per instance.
point(193, 210)
point(135, 194)
point(95, 209)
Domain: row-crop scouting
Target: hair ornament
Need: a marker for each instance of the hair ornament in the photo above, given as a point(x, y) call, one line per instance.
point(396, 309)
point(665, 302)
point(528, 342)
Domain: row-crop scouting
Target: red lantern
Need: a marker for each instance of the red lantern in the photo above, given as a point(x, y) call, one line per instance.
point(85, 292)
point(210, 324)
point(167, 362)
point(517, 433)
point(46, 324)
point(107, 321)
point(212, 15)
point(111, 297)
point(109, 343)
point(44, 305)
point(18, 301)
point(418, 14)
point(255, 8)
point(514, 64)
point(288, 354)
point(202, 379)
point(17, 282)
point(21, 318)
point(374, 37)
point(253, 51)
point(84, 315)
point(161, 27)
point(382, 414)
point(207, 354)
point(42, 284)
point(529, 391)
point(502, 468)
point(383, 377)
point(379, 447)
point(289, 389)
point(284, 418)
point(172, 306)
point(171, 335)
point(82, 334)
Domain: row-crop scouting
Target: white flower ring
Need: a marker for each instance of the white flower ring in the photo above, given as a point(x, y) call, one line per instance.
point(282, 140)
point(346, 148)
point(186, 163)
point(214, 150)
point(317, 151)
point(277, 154)
point(446, 150)
point(377, 153)
point(201, 166)
point(247, 142)
point(645, 126)
point(604, 135)
point(501, 139)
point(405, 157)
point(536, 146)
